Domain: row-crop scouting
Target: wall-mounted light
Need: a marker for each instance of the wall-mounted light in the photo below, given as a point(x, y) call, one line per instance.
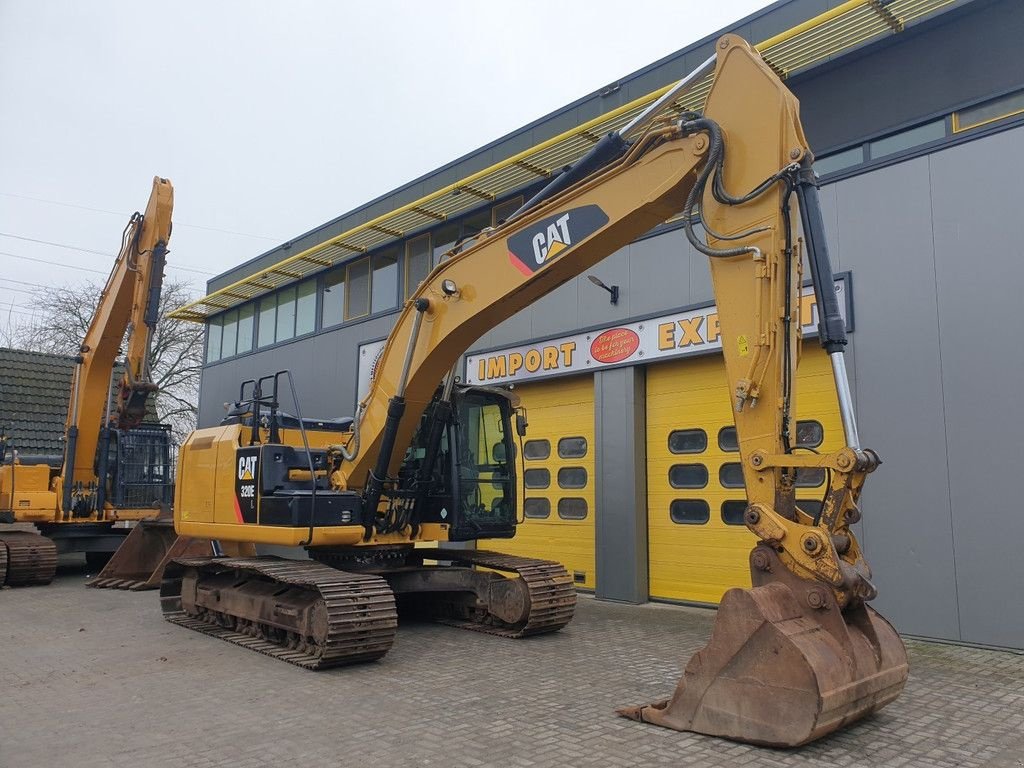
point(613, 290)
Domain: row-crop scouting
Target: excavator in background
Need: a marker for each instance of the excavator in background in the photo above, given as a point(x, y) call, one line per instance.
point(116, 467)
point(428, 460)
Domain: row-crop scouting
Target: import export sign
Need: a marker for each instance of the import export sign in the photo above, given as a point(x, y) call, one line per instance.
point(677, 334)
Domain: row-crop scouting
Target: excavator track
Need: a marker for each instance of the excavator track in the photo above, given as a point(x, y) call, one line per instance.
point(552, 595)
point(30, 559)
point(358, 609)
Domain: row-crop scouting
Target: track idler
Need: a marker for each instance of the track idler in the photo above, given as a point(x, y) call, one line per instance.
point(785, 665)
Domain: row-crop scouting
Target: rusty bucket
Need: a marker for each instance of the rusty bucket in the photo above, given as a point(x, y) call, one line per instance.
point(785, 666)
point(140, 560)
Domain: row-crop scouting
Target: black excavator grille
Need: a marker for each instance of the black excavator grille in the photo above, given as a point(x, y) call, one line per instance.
point(144, 473)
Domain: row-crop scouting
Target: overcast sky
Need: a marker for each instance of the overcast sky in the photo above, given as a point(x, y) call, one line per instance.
point(271, 118)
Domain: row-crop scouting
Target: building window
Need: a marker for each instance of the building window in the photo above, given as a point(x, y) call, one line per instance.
point(809, 434)
point(839, 161)
point(384, 283)
point(285, 314)
point(572, 477)
point(332, 307)
point(537, 509)
point(688, 476)
point(536, 450)
point(731, 475)
point(444, 239)
point(689, 511)
point(229, 338)
point(908, 139)
point(213, 334)
point(537, 478)
point(687, 441)
point(245, 326)
point(473, 225)
point(732, 512)
point(502, 211)
point(267, 320)
point(572, 509)
point(727, 440)
point(305, 308)
point(572, 447)
point(417, 263)
point(357, 301)
point(989, 111)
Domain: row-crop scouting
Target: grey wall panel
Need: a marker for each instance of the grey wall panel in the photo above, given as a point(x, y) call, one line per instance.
point(663, 258)
point(556, 313)
point(620, 470)
point(595, 306)
point(980, 269)
point(885, 238)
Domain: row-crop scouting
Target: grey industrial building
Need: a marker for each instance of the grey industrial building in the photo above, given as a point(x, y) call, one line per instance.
point(915, 109)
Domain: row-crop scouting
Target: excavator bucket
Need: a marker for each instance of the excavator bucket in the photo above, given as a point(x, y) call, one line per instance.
point(784, 666)
point(140, 560)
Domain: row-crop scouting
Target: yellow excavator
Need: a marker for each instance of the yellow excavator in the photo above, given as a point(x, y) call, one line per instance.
point(427, 460)
point(115, 467)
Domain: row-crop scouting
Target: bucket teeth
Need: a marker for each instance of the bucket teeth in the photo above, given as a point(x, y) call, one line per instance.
point(780, 673)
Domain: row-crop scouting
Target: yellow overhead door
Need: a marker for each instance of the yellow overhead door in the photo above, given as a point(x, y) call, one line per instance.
point(698, 544)
point(558, 511)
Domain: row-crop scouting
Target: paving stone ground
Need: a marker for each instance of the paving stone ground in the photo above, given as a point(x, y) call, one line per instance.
point(95, 678)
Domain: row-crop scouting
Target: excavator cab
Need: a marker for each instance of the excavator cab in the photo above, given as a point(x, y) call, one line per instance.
point(460, 468)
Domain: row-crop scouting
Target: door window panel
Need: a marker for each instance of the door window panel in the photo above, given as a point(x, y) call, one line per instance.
point(537, 509)
point(572, 509)
point(536, 450)
point(730, 475)
point(572, 447)
point(687, 441)
point(688, 476)
point(537, 478)
point(572, 477)
point(689, 511)
point(732, 512)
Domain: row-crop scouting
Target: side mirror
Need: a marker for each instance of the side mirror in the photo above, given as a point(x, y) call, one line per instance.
point(521, 422)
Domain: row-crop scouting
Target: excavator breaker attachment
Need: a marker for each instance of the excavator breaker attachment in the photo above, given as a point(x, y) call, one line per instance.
point(140, 560)
point(785, 665)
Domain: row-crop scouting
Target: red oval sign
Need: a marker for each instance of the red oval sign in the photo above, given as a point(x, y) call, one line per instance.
point(614, 345)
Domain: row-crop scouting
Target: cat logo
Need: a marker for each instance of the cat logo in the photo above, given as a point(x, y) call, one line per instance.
point(546, 245)
point(247, 467)
point(551, 237)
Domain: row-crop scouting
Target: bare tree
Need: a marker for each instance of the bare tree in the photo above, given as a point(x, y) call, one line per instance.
point(62, 318)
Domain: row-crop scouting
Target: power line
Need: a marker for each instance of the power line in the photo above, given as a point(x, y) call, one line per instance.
point(51, 263)
point(17, 290)
point(120, 213)
point(90, 250)
point(23, 282)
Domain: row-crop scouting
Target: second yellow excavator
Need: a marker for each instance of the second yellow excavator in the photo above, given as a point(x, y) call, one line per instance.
point(426, 460)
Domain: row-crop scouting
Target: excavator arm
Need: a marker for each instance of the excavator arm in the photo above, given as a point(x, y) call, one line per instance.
point(129, 302)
